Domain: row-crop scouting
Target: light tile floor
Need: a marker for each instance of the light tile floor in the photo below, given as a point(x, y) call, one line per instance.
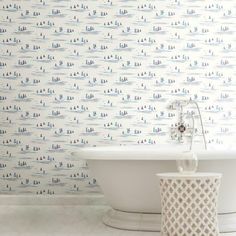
point(79, 220)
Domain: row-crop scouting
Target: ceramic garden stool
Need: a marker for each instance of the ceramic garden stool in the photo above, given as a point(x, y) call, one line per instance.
point(189, 204)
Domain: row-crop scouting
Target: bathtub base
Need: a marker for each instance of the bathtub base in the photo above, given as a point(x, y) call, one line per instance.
point(152, 222)
point(132, 221)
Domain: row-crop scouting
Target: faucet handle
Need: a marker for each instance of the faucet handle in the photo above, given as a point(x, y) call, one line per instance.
point(181, 128)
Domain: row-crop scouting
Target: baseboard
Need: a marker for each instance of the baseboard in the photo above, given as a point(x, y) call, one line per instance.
point(95, 199)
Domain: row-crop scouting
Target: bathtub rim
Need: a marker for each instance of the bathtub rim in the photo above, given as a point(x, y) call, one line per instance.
point(144, 153)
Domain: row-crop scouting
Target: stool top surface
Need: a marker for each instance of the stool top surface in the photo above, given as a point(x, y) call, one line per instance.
point(197, 175)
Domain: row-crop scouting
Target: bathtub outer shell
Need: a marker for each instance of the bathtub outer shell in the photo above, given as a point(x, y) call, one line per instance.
point(132, 186)
point(127, 175)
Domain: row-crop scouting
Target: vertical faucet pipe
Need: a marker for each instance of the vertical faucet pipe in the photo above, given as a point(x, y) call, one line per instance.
point(200, 116)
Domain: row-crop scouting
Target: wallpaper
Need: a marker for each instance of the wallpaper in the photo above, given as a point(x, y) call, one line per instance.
point(102, 72)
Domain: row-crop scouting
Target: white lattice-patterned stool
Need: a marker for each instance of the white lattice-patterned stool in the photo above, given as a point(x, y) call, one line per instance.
point(189, 204)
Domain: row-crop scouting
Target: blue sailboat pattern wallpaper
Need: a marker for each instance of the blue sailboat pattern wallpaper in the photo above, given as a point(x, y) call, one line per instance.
point(102, 72)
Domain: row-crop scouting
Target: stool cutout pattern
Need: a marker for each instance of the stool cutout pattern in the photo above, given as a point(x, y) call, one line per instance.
point(189, 206)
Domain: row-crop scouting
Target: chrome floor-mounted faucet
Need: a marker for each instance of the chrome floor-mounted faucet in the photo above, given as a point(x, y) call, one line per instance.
point(181, 127)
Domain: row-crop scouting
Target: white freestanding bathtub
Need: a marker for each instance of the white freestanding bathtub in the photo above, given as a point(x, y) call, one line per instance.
point(127, 178)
